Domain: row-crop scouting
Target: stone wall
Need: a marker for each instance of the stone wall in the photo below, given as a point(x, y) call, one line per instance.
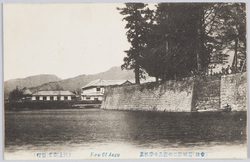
point(207, 93)
point(181, 96)
point(170, 96)
point(234, 91)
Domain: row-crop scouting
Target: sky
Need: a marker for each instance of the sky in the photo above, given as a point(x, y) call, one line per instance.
point(62, 39)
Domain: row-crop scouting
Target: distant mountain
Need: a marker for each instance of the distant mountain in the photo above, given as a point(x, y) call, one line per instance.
point(28, 82)
point(74, 84)
point(52, 82)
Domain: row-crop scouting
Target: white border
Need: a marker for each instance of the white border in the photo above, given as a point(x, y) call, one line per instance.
point(105, 1)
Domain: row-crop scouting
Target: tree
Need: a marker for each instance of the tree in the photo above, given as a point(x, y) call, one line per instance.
point(232, 25)
point(178, 44)
point(182, 39)
point(188, 37)
point(136, 24)
point(16, 94)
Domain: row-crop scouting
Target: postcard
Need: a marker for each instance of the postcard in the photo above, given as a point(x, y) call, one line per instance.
point(125, 81)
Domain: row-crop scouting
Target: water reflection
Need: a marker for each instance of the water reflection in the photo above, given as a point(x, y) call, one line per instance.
point(90, 128)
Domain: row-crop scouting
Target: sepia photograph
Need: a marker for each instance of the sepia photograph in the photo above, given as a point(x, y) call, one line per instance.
point(127, 80)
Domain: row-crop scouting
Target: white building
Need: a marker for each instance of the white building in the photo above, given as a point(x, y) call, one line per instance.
point(94, 90)
point(52, 96)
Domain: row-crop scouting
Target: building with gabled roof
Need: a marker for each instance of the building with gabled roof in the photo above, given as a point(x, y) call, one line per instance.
point(94, 90)
point(52, 95)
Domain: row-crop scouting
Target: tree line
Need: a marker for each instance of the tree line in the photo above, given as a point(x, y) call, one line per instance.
point(17, 94)
point(176, 40)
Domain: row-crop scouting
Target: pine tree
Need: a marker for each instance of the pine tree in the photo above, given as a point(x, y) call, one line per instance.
point(134, 14)
point(179, 41)
point(232, 27)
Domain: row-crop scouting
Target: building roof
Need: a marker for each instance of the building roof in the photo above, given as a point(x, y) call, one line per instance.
point(53, 93)
point(103, 83)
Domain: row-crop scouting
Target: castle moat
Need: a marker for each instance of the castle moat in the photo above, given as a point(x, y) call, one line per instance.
point(77, 130)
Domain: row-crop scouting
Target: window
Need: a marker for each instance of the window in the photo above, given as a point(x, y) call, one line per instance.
point(98, 89)
point(96, 99)
point(37, 98)
point(44, 98)
point(66, 98)
point(51, 97)
point(88, 98)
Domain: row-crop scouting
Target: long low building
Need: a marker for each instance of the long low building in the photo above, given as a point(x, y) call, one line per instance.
point(52, 96)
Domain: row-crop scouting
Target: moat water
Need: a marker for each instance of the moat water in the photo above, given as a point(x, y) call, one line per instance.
point(83, 130)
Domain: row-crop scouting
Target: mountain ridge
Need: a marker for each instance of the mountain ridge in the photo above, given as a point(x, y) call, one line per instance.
point(72, 84)
point(29, 77)
point(30, 81)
